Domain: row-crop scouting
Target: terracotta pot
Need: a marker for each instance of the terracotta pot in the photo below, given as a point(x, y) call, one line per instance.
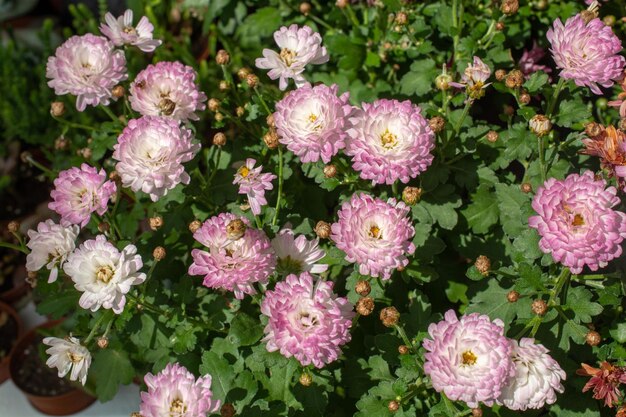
point(17, 295)
point(60, 405)
point(4, 363)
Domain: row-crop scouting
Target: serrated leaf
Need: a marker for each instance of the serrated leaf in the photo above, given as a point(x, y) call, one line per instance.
point(513, 205)
point(579, 301)
point(110, 368)
point(571, 112)
point(245, 330)
point(536, 81)
point(482, 212)
point(58, 305)
point(419, 80)
point(221, 374)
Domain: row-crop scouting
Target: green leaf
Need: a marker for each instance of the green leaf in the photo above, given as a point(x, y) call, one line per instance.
point(419, 80)
point(494, 303)
point(244, 330)
point(441, 205)
point(527, 245)
point(619, 333)
point(579, 301)
point(571, 112)
point(536, 81)
point(514, 206)
point(110, 368)
point(58, 305)
point(482, 212)
point(220, 370)
point(473, 274)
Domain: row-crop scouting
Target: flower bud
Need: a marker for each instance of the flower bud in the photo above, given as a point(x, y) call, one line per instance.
point(393, 406)
point(270, 120)
point(240, 111)
point(118, 91)
point(305, 379)
point(26, 156)
point(492, 136)
point(271, 139)
point(103, 342)
point(540, 125)
point(342, 4)
point(158, 253)
point(222, 57)
point(609, 20)
point(363, 288)
point(512, 296)
point(539, 307)
point(365, 306)
point(156, 222)
point(85, 153)
point(514, 79)
point(411, 195)
point(214, 104)
point(500, 26)
point(219, 139)
point(104, 227)
point(227, 410)
point(401, 18)
point(500, 74)
point(443, 81)
point(224, 85)
point(526, 188)
point(593, 129)
point(593, 338)
point(243, 73)
point(305, 8)
point(477, 412)
point(252, 80)
point(437, 124)
point(509, 6)
point(524, 98)
point(389, 316)
point(322, 229)
point(403, 349)
point(194, 226)
point(13, 226)
point(219, 117)
point(31, 279)
point(330, 171)
point(235, 229)
point(61, 143)
point(57, 108)
point(483, 264)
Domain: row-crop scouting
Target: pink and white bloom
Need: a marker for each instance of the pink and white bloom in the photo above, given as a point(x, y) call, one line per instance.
point(529, 62)
point(104, 274)
point(175, 392)
point(68, 356)
point(78, 192)
point(151, 151)
point(587, 53)
point(297, 254)
point(299, 46)
point(312, 122)
point(232, 262)
point(307, 320)
point(576, 221)
point(121, 31)
point(49, 246)
point(374, 233)
point(253, 183)
point(537, 377)
point(469, 359)
point(87, 67)
point(474, 78)
point(389, 140)
point(167, 89)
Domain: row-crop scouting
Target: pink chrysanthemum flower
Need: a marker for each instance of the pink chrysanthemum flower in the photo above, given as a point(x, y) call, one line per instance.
point(167, 89)
point(297, 254)
point(78, 192)
point(151, 151)
point(88, 67)
point(49, 246)
point(253, 183)
point(587, 53)
point(307, 320)
point(299, 46)
point(389, 140)
point(604, 381)
point(104, 274)
point(122, 32)
point(175, 392)
point(473, 79)
point(528, 63)
point(576, 221)
point(68, 356)
point(237, 256)
point(468, 359)
point(311, 122)
point(537, 377)
point(375, 234)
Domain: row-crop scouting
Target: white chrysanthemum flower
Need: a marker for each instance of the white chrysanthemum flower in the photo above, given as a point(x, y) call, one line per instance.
point(297, 254)
point(537, 377)
point(68, 355)
point(104, 274)
point(299, 46)
point(121, 31)
point(49, 246)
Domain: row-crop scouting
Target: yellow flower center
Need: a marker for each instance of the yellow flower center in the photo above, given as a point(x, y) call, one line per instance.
point(578, 220)
point(468, 358)
point(130, 30)
point(287, 56)
point(104, 274)
point(243, 171)
point(375, 232)
point(388, 139)
point(177, 408)
point(167, 106)
point(74, 357)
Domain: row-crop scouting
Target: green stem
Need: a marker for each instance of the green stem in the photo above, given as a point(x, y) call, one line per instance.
point(217, 163)
point(280, 184)
point(555, 96)
point(265, 106)
point(72, 124)
point(558, 286)
point(96, 326)
point(44, 169)
point(320, 21)
point(458, 125)
point(110, 113)
point(12, 246)
point(352, 16)
point(541, 148)
point(403, 336)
